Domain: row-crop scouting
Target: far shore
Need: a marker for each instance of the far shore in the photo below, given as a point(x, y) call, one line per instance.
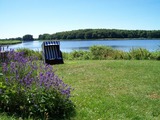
point(9, 42)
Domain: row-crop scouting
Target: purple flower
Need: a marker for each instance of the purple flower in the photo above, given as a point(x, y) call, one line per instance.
point(12, 67)
point(4, 67)
point(25, 73)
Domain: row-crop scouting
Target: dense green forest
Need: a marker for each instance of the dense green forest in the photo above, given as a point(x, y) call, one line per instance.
point(93, 34)
point(101, 34)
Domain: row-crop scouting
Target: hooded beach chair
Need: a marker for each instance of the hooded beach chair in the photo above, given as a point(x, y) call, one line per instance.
point(51, 52)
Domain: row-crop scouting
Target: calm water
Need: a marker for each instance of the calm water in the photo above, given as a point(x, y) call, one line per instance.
point(68, 46)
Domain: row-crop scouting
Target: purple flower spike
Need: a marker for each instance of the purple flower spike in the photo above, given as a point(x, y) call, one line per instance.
point(25, 73)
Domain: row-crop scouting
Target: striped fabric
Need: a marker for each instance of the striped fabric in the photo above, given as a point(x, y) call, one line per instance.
point(52, 50)
point(48, 43)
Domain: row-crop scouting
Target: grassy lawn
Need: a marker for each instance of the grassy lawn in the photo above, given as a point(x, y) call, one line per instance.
point(9, 42)
point(113, 89)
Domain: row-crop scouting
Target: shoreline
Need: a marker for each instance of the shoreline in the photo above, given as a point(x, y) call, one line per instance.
point(9, 42)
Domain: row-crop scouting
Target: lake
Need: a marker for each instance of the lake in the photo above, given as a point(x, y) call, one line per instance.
point(70, 45)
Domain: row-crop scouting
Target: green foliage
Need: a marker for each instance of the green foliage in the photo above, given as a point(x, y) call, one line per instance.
point(32, 89)
point(118, 55)
point(156, 55)
point(108, 53)
point(101, 52)
point(27, 37)
point(112, 89)
point(140, 54)
point(101, 34)
point(81, 55)
point(45, 37)
point(77, 55)
point(66, 56)
point(4, 116)
point(27, 52)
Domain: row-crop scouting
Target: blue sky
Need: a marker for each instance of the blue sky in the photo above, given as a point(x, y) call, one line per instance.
point(20, 17)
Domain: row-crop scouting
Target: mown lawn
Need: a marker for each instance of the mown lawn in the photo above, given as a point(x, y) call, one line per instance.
point(113, 89)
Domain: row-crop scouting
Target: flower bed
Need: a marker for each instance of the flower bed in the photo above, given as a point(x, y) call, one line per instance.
point(31, 88)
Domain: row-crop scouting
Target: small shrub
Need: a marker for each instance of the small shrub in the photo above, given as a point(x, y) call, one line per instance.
point(77, 54)
point(32, 89)
point(66, 56)
point(140, 54)
point(155, 55)
point(87, 55)
point(118, 55)
point(80, 55)
point(101, 52)
point(107, 53)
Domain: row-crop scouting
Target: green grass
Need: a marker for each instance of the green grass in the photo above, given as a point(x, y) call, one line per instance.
point(3, 116)
point(9, 42)
point(113, 89)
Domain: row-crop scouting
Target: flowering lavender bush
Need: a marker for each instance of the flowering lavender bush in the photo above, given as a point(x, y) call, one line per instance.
point(29, 52)
point(31, 88)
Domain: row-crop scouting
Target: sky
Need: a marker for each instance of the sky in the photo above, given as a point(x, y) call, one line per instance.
point(35, 17)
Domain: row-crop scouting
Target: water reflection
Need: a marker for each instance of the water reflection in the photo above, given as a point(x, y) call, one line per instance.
point(68, 46)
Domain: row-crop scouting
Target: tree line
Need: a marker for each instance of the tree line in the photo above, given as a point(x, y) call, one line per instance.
point(101, 34)
point(93, 34)
point(26, 37)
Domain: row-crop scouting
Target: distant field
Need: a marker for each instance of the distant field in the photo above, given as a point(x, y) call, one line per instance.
point(9, 42)
point(112, 89)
